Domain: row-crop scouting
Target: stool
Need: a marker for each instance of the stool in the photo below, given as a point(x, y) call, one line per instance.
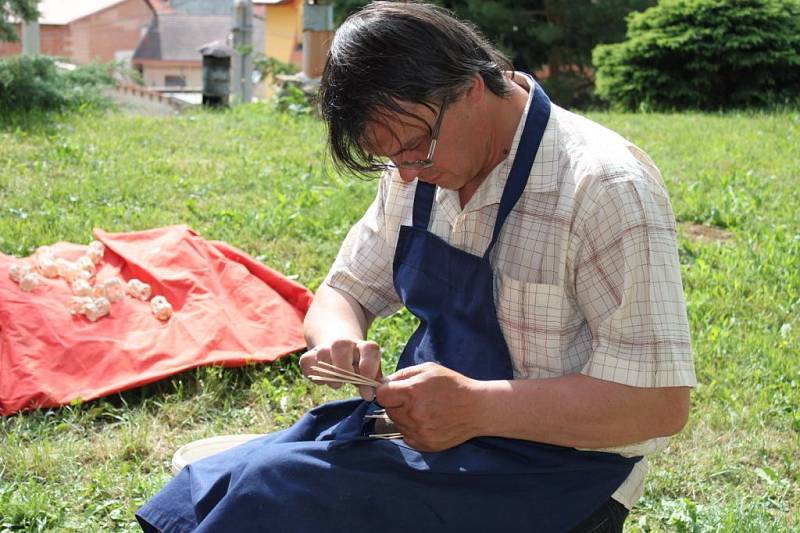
point(203, 448)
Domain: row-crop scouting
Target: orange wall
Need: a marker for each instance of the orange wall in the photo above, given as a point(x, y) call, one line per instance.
point(284, 31)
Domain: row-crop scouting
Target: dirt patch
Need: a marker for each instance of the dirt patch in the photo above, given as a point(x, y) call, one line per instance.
point(705, 233)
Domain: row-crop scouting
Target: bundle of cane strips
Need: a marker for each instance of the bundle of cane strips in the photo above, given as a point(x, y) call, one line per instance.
point(327, 373)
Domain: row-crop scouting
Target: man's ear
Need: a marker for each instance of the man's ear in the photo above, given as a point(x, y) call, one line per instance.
point(476, 91)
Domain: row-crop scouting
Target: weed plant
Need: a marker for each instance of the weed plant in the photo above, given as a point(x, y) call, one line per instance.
point(37, 85)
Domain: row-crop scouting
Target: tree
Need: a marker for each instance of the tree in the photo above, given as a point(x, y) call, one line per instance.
point(15, 9)
point(705, 54)
point(558, 35)
point(555, 35)
point(342, 8)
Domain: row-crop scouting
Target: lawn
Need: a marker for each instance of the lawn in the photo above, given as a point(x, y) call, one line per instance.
point(259, 180)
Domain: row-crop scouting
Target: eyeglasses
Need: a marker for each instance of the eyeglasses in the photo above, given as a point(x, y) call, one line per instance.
point(420, 164)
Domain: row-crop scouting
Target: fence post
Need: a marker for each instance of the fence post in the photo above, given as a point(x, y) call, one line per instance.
point(242, 78)
point(30, 38)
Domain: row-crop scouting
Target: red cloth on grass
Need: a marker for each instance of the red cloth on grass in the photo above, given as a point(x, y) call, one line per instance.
point(228, 309)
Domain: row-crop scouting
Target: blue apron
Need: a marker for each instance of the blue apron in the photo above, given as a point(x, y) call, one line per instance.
point(325, 474)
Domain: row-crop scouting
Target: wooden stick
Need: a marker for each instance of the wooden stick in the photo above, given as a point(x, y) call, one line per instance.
point(322, 372)
point(331, 369)
point(383, 416)
point(334, 368)
point(386, 435)
point(334, 377)
point(323, 379)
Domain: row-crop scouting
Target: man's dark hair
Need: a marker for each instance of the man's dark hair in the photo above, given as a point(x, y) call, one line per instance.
point(390, 53)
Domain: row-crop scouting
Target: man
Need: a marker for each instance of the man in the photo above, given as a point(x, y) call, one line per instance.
point(538, 251)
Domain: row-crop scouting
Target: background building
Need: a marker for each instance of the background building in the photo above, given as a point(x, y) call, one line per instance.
point(83, 31)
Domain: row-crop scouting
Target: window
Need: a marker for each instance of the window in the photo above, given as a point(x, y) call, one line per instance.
point(175, 81)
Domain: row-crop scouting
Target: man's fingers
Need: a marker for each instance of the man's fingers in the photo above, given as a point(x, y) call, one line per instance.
point(390, 397)
point(307, 360)
point(368, 361)
point(311, 358)
point(363, 357)
point(407, 372)
point(343, 353)
point(396, 388)
point(368, 364)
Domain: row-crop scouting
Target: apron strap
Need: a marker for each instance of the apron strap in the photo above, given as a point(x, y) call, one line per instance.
point(423, 203)
point(535, 124)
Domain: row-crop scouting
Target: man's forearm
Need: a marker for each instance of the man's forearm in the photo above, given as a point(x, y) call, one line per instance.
point(335, 315)
point(580, 411)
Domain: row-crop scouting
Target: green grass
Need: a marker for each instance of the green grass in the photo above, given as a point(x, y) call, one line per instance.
point(258, 179)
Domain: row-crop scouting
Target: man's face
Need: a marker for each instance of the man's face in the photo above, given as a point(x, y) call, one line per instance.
point(402, 138)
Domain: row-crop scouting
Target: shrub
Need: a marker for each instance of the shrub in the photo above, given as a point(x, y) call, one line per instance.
point(704, 54)
point(29, 83)
point(269, 67)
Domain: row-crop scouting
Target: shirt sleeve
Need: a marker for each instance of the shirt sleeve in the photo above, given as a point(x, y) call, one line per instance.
point(363, 267)
point(628, 285)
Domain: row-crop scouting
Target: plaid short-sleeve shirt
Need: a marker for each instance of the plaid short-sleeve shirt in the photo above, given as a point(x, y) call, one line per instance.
point(587, 277)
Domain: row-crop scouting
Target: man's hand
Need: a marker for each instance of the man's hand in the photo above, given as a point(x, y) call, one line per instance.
point(435, 408)
point(359, 356)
